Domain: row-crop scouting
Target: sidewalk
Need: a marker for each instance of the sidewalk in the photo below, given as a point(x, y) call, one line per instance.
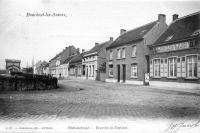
point(188, 90)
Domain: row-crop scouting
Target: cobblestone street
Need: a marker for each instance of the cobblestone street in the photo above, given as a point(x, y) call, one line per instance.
point(94, 99)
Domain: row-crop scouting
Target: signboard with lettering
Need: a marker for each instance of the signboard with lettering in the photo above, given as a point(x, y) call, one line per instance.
point(172, 47)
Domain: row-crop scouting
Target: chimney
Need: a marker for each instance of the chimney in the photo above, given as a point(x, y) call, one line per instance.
point(174, 17)
point(122, 31)
point(96, 43)
point(161, 17)
point(111, 39)
point(83, 50)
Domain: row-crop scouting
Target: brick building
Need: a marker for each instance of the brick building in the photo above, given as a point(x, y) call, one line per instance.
point(93, 60)
point(127, 56)
point(175, 56)
point(75, 66)
point(56, 64)
point(65, 67)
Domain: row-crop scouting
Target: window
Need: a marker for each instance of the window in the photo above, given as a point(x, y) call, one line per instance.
point(134, 51)
point(111, 55)
point(66, 71)
point(198, 66)
point(110, 70)
point(134, 73)
point(89, 70)
point(142, 32)
point(192, 66)
point(93, 70)
point(123, 53)
point(162, 68)
point(156, 67)
point(79, 70)
point(172, 71)
point(178, 67)
point(183, 67)
point(169, 38)
point(165, 68)
point(71, 70)
point(118, 54)
point(151, 68)
point(196, 32)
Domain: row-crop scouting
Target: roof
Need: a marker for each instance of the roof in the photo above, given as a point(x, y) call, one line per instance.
point(181, 28)
point(12, 60)
point(77, 58)
point(68, 59)
point(56, 56)
point(98, 47)
point(133, 35)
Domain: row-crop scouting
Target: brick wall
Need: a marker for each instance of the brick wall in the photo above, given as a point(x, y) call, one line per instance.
point(139, 59)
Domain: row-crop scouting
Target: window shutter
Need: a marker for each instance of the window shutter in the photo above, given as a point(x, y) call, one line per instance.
point(179, 67)
point(183, 67)
point(198, 65)
point(151, 68)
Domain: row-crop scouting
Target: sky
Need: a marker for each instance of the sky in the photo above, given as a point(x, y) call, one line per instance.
point(85, 22)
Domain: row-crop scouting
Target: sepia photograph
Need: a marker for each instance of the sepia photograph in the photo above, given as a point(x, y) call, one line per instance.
point(100, 66)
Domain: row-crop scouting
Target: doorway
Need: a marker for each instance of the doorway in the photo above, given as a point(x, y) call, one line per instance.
point(118, 73)
point(124, 72)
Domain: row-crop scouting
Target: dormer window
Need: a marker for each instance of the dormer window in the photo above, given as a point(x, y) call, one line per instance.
point(169, 38)
point(142, 32)
point(196, 32)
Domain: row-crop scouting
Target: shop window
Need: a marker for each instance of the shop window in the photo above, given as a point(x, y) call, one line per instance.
point(134, 73)
point(199, 66)
point(123, 53)
point(183, 67)
point(172, 67)
point(178, 67)
point(191, 66)
point(110, 70)
point(118, 54)
point(156, 67)
point(162, 67)
point(111, 55)
point(134, 49)
point(165, 68)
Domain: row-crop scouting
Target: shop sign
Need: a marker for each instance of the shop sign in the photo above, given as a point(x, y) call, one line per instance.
point(173, 47)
